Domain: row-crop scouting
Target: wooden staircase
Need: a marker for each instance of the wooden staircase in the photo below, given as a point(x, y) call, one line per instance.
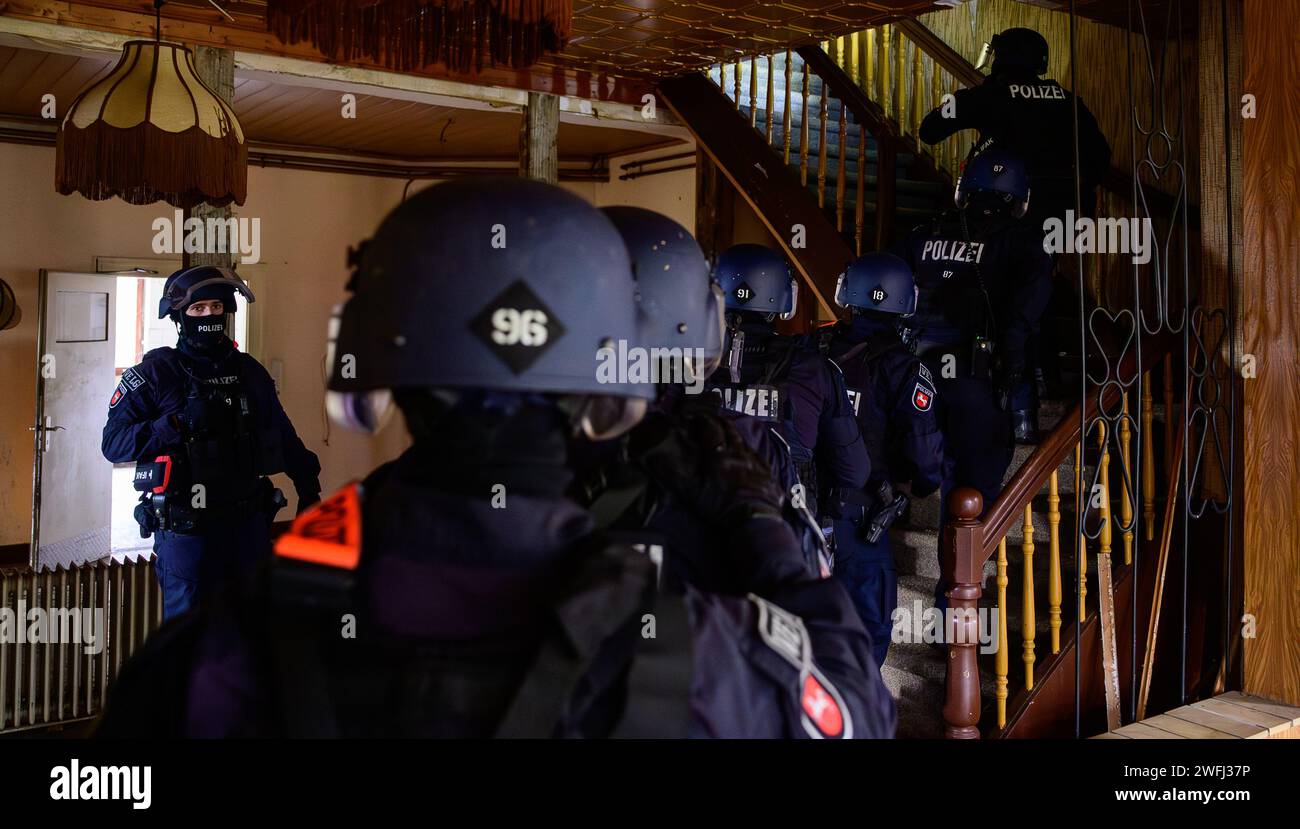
point(822, 167)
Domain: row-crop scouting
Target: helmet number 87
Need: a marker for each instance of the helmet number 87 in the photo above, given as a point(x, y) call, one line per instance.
point(514, 327)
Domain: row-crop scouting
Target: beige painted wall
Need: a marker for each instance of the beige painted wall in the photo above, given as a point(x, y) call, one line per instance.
point(308, 220)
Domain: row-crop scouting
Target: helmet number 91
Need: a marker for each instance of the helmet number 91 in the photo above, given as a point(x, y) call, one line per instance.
point(511, 326)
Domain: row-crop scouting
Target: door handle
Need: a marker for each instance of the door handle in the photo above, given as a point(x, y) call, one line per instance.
point(45, 432)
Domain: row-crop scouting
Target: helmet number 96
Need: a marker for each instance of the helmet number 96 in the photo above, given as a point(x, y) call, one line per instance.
point(511, 326)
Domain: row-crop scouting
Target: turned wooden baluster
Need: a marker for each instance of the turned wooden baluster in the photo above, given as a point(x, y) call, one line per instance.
point(771, 97)
point(859, 208)
point(1029, 622)
point(882, 69)
point(1148, 459)
point(1125, 507)
point(961, 709)
point(1082, 498)
point(821, 149)
point(915, 110)
point(869, 65)
point(1054, 561)
point(1000, 666)
point(785, 109)
point(840, 175)
point(753, 91)
point(899, 94)
point(736, 80)
point(803, 133)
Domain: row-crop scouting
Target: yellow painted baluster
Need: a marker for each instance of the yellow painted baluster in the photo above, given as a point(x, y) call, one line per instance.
point(1083, 498)
point(1029, 625)
point(869, 64)
point(1125, 507)
point(753, 91)
point(860, 206)
point(916, 112)
point(736, 83)
point(803, 133)
point(821, 149)
point(1054, 561)
point(771, 97)
point(1148, 459)
point(1000, 661)
point(785, 107)
point(840, 176)
point(899, 95)
point(882, 70)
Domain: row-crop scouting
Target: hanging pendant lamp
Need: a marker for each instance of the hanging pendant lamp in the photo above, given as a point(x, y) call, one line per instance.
point(150, 131)
point(410, 34)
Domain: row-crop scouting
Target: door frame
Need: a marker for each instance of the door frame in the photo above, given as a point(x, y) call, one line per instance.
point(106, 266)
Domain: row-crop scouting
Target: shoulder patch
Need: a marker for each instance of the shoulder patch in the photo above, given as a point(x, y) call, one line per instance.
point(925, 373)
point(117, 395)
point(822, 711)
point(132, 379)
point(329, 533)
point(922, 398)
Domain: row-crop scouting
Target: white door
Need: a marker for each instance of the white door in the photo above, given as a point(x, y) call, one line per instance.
point(72, 496)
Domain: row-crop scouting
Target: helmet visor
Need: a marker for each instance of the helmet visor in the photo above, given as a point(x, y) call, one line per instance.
point(176, 299)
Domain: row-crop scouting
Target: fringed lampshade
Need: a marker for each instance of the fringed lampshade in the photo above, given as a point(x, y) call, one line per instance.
point(409, 34)
point(151, 130)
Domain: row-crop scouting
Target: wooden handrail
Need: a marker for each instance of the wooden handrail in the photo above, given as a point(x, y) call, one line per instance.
point(1030, 478)
point(968, 541)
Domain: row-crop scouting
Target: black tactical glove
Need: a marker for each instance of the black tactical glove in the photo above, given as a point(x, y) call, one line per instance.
point(306, 500)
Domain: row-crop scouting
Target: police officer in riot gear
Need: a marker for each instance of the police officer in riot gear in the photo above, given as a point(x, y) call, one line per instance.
point(205, 427)
point(1031, 117)
point(773, 378)
point(484, 604)
point(682, 316)
point(893, 395)
point(983, 281)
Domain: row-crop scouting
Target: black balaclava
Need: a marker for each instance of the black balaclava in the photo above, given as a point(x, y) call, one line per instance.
point(208, 335)
point(485, 438)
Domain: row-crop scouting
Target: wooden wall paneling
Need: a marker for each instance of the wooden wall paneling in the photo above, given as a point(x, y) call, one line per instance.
point(1270, 312)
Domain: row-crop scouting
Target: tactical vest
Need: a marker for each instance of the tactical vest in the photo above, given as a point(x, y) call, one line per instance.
point(228, 450)
point(763, 393)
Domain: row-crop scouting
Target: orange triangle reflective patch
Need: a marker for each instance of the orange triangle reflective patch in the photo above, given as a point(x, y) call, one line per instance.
point(329, 533)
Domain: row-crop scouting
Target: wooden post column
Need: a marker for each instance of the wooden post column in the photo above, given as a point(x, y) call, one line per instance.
point(538, 145)
point(961, 707)
point(216, 68)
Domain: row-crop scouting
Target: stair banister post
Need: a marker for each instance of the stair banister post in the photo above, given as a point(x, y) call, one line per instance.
point(963, 567)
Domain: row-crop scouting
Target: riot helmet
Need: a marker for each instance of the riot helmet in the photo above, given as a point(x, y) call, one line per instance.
point(756, 279)
point(997, 175)
point(1015, 48)
point(503, 285)
point(681, 307)
point(196, 284)
point(880, 282)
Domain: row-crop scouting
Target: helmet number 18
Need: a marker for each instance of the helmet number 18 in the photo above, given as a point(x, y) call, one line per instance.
point(511, 326)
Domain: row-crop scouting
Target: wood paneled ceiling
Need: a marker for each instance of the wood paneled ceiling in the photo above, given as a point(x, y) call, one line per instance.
point(628, 38)
point(305, 118)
